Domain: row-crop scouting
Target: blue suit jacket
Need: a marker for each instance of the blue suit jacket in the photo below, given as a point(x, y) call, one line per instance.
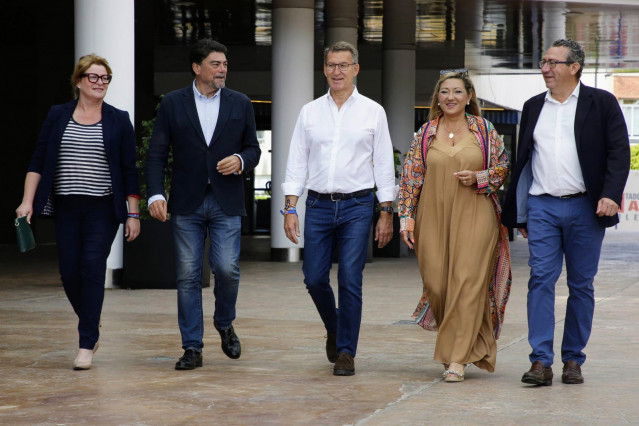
point(194, 162)
point(119, 145)
point(603, 149)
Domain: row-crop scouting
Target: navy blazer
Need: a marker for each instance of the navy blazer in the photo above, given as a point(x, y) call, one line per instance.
point(119, 144)
point(194, 162)
point(603, 149)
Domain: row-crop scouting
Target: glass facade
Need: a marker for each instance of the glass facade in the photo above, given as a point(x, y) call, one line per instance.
point(488, 36)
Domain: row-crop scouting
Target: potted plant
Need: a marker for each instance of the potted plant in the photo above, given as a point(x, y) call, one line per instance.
point(149, 260)
point(394, 246)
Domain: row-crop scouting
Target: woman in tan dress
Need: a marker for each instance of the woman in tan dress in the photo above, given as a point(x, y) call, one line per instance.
point(450, 216)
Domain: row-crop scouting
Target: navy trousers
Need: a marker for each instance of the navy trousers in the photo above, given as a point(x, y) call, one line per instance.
point(557, 229)
point(85, 229)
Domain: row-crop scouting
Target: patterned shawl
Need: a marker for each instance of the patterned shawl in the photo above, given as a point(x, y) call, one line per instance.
point(489, 180)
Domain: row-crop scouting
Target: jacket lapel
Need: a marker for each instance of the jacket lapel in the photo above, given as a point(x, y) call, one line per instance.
point(583, 106)
point(223, 117)
point(107, 127)
point(191, 112)
point(535, 110)
point(69, 107)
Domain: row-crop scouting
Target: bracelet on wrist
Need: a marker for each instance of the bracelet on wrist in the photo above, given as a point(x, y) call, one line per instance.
point(289, 210)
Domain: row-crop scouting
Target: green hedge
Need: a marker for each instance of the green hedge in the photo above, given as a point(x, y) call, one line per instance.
point(634, 157)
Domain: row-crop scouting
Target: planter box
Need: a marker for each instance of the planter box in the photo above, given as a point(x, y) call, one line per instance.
point(149, 260)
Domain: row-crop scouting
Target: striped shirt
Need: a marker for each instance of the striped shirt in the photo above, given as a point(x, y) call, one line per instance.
point(82, 167)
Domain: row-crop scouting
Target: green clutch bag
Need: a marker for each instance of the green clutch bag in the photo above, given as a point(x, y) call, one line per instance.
point(24, 235)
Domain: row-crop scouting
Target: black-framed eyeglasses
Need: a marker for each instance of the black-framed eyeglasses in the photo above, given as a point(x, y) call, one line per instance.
point(93, 78)
point(456, 71)
point(342, 67)
point(552, 64)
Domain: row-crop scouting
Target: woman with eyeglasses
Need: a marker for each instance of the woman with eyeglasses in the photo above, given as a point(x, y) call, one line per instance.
point(450, 214)
point(83, 173)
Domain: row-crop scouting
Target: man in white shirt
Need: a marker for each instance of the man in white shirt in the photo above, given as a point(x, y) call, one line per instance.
point(566, 188)
point(341, 141)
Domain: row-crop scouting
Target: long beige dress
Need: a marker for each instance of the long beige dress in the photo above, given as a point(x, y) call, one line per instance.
point(455, 237)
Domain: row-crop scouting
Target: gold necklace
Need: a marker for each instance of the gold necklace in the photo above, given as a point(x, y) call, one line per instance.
point(451, 134)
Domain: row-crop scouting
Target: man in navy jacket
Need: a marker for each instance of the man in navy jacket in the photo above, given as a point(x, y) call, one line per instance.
point(566, 188)
point(211, 132)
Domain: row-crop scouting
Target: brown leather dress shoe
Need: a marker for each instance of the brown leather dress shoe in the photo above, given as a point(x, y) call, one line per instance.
point(345, 365)
point(572, 373)
point(538, 374)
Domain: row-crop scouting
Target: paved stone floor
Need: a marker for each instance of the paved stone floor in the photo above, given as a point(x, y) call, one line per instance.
point(283, 376)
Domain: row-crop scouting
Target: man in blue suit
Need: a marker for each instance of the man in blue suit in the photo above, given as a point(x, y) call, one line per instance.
point(566, 188)
point(211, 132)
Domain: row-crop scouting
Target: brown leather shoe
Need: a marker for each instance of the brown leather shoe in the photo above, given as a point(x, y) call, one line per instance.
point(572, 373)
point(538, 374)
point(345, 365)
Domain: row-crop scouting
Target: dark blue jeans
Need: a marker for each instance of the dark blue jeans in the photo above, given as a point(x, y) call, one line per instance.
point(189, 234)
point(559, 228)
point(85, 227)
point(346, 226)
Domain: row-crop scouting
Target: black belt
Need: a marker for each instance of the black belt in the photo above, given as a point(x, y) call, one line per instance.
point(579, 194)
point(336, 196)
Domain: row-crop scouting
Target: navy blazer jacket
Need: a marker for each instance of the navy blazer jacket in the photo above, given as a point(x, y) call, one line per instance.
point(119, 145)
point(194, 162)
point(603, 149)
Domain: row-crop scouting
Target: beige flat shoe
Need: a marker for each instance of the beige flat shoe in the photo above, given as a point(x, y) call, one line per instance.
point(83, 360)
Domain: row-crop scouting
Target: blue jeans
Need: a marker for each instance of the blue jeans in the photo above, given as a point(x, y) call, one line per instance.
point(85, 227)
point(189, 234)
point(346, 226)
point(559, 228)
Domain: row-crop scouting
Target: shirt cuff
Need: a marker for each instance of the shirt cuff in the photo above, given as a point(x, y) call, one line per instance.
point(291, 188)
point(154, 198)
point(242, 160)
point(387, 194)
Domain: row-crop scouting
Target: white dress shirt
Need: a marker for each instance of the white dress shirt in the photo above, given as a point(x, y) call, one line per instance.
point(208, 110)
point(342, 150)
point(555, 163)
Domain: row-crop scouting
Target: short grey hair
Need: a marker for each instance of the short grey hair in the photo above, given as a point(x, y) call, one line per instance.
point(342, 46)
point(576, 53)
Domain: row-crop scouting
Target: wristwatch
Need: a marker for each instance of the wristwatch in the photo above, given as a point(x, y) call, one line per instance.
point(387, 209)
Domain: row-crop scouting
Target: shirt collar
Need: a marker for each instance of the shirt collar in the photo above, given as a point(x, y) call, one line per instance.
point(575, 94)
point(201, 96)
point(353, 95)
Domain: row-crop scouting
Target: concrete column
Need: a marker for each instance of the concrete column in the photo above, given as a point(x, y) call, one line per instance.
point(106, 28)
point(341, 21)
point(398, 72)
point(554, 24)
point(292, 74)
